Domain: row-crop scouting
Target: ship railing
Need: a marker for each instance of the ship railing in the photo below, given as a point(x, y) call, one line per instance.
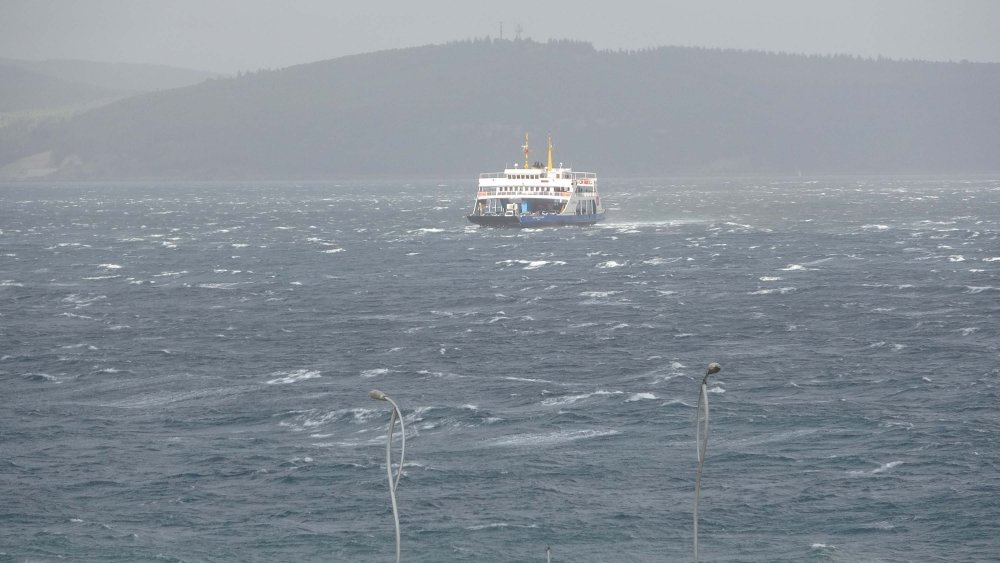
point(565, 175)
point(546, 191)
point(519, 182)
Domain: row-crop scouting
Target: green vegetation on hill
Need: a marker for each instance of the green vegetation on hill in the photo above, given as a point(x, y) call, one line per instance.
point(464, 107)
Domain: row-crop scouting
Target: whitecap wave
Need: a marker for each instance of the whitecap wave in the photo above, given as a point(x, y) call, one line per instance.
point(598, 293)
point(42, 377)
point(979, 289)
point(374, 372)
point(499, 525)
point(286, 377)
point(530, 264)
point(778, 290)
point(887, 466)
point(224, 285)
point(80, 301)
point(310, 419)
point(819, 546)
point(676, 402)
point(527, 379)
point(660, 261)
point(570, 399)
point(550, 438)
point(880, 469)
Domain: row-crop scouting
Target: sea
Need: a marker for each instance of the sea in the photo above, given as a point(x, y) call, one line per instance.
point(186, 369)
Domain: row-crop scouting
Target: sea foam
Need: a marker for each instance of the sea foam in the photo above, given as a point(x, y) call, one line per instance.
point(286, 377)
point(550, 438)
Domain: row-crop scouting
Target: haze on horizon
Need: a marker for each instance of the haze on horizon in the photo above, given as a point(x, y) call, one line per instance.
point(235, 35)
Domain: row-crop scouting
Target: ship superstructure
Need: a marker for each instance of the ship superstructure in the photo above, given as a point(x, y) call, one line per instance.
point(537, 195)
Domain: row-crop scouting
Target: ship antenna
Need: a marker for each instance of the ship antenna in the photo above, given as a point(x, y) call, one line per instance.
point(701, 440)
point(525, 147)
point(393, 483)
point(550, 153)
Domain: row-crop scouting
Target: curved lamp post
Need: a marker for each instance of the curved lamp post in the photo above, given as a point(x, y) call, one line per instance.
point(701, 439)
point(393, 483)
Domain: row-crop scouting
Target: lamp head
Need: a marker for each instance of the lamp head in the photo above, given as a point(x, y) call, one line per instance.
point(712, 368)
point(376, 395)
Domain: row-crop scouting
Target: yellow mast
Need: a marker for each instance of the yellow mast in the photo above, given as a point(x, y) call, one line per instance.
point(525, 147)
point(550, 154)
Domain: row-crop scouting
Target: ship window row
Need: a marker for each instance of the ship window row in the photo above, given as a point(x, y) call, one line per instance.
point(558, 176)
point(530, 189)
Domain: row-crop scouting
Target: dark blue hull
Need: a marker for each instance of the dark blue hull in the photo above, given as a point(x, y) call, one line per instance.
point(534, 220)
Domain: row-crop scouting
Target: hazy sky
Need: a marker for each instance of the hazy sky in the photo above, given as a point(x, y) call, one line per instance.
point(231, 35)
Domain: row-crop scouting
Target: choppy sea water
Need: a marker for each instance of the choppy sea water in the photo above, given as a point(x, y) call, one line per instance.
point(186, 368)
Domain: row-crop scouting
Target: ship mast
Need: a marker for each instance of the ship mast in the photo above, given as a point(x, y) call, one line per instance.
point(549, 168)
point(525, 147)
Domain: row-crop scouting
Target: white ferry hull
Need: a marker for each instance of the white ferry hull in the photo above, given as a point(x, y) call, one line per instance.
point(535, 220)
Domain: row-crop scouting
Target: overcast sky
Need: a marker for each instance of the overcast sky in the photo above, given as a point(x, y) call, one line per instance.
point(232, 35)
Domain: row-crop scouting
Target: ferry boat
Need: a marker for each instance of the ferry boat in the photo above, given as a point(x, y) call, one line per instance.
point(537, 196)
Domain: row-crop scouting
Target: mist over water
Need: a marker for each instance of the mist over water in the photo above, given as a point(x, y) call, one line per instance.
point(187, 368)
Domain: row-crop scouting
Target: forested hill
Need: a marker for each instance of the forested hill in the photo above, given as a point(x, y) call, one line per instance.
point(22, 90)
point(461, 108)
point(120, 77)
